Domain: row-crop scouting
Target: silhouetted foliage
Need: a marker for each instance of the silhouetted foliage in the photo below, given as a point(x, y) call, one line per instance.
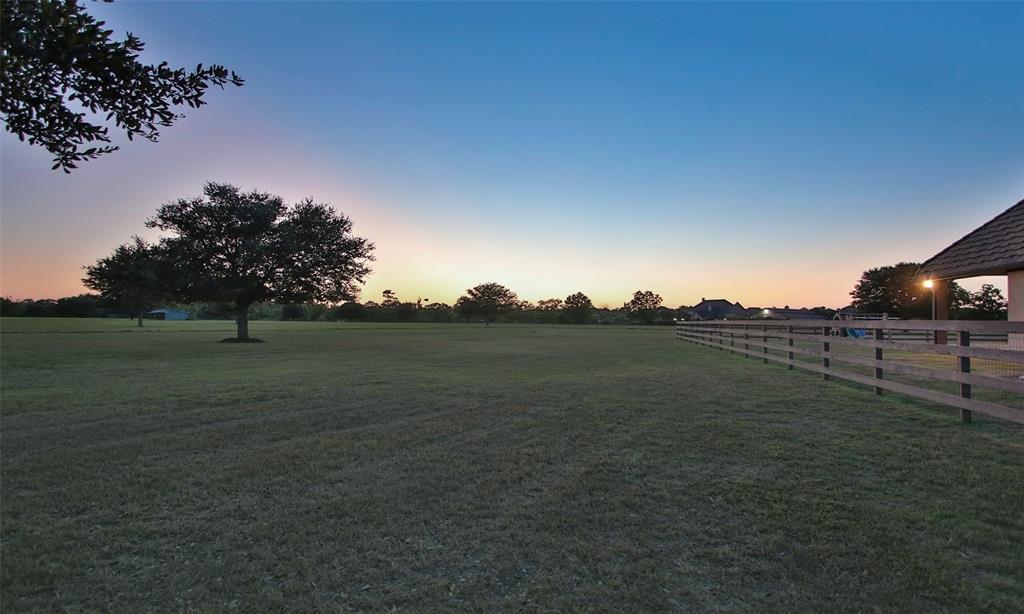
point(643, 306)
point(292, 311)
point(549, 304)
point(136, 277)
point(612, 316)
point(314, 312)
point(350, 312)
point(824, 312)
point(578, 307)
point(894, 290)
point(664, 315)
point(59, 64)
point(214, 311)
point(959, 303)
point(406, 312)
point(390, 299)
point(897, 291)
point(242, 247)
point(10, 308)
point(487, 301)
point(988, 303)
point(43, 308)
point(513, 311)
point(436, 312)
point(80, 306)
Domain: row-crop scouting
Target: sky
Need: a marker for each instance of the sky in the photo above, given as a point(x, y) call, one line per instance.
point(765, 153)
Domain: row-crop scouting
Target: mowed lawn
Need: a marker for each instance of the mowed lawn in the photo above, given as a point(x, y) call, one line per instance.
point(461, 467)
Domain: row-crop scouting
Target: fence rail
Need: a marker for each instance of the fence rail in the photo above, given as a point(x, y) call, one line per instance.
point(929, 355)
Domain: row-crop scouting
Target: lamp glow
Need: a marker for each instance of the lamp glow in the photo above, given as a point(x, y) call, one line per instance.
point(928, 283)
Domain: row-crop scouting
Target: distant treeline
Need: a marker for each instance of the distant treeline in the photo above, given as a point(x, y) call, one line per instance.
point(94, 306)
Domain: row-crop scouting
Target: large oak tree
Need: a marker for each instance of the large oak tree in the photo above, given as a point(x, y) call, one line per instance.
point(578, 307)
point(240, 247)
point(643, 306)
point(488, 301)
point(62, 78)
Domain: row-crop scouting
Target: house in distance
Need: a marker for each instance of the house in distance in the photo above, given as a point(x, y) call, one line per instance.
point(783, 313)
point(716, 309)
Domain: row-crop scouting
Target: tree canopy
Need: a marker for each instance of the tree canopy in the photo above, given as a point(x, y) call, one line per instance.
point(390, 299)
point(487, 301)
point(578, 307)
point(350, 311)
point(549, 304)
point(241, 247)
point(898, 291)
point(643, 306)
point(62, 78)
point(894, 290)
point(988, 303)
point(136, 276)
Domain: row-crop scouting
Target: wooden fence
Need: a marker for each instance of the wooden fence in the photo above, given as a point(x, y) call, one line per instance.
point(886, 347)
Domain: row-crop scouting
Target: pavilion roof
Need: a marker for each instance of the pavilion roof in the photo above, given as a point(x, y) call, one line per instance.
point(994, 248)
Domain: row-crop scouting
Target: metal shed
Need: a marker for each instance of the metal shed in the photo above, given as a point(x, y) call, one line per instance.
point(167, 314)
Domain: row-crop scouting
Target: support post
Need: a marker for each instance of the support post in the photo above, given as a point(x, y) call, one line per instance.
point(940, 296)
point(964, 364)
point(825, 345)
point(746, 338)
point(879, 336)
point(1015, 306)
point(790, 331)
point(764, 340)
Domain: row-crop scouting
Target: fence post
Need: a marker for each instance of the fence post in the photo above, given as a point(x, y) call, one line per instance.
point(721, 338)
point(790, 331)
point(732, 340)
point(879, 336)
point(746, 346)
point(764, 340)
point(825, 345)
point(965, 367)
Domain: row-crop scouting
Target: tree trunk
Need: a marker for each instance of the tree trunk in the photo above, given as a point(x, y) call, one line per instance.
point(142, 312)
point(242, 319)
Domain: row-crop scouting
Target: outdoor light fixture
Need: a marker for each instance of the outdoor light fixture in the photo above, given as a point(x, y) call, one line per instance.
point(928, 283)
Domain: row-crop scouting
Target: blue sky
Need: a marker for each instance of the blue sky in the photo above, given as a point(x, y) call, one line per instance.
point(766, 153)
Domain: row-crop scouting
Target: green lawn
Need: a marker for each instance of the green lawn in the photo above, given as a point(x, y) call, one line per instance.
point(460, 467)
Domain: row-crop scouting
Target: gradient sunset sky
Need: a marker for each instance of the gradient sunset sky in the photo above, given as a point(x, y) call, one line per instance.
point(766, 153)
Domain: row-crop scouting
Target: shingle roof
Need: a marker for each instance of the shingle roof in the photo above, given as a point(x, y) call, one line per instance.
point(716, 309)
point(993, 249)
point(785, 313)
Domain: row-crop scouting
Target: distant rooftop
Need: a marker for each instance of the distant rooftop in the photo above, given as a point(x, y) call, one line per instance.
point(995, 248)
point(715, 309)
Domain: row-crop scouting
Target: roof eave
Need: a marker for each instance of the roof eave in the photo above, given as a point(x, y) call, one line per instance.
point(939, 274)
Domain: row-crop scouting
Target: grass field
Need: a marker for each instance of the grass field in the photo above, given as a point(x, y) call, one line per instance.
point(459, 467)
